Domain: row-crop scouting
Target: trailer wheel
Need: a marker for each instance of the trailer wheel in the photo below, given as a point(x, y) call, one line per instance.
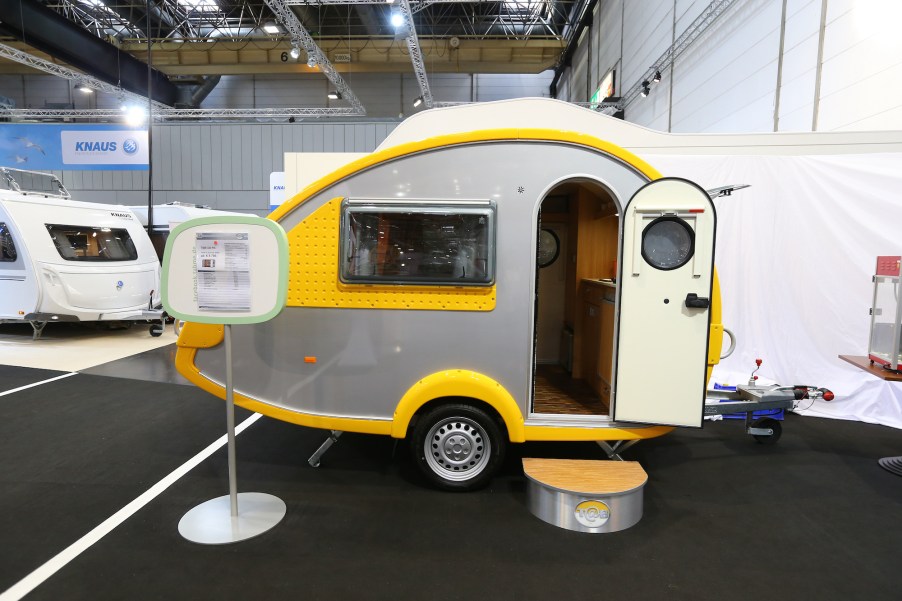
point(458, 447)
point(156, 330)
point(767, 422)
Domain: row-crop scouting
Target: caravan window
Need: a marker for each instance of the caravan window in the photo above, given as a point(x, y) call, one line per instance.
point(421, 244)
point(7, 247)
point(95, 244)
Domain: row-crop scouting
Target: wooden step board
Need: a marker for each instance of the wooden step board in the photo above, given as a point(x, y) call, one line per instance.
point(585, 495)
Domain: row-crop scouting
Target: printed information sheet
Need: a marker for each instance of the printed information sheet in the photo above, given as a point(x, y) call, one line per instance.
point(223, 271)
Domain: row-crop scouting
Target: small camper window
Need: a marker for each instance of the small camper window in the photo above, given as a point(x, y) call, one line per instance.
point(7, 247)
point(89, 243)
point(440, 244)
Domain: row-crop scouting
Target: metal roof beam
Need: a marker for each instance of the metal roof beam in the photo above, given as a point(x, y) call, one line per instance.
point(72, 75)
point(50, 32)
point(302, 37)
point(171, 114)
point(416, 54)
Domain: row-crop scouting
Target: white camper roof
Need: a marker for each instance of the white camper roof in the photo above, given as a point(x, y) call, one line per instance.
point(175, 213)
point(546, 113)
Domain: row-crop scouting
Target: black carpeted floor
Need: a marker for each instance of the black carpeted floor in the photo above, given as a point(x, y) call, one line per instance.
point(14, 377)
point(725, 518)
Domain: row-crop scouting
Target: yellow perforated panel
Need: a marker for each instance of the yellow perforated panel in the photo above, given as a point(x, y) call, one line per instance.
point(313, 276)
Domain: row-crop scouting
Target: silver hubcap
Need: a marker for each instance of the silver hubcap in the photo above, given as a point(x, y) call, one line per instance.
point(457, 448)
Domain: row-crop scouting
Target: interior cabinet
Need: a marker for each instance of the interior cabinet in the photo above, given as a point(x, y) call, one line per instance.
point(598, 336)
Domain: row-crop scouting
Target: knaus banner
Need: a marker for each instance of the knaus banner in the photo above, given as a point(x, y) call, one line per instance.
point(72, 147)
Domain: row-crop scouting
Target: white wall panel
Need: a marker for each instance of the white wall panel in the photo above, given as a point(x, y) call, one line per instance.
point(607, 32)
point(647, 33)
point(727, 79)
point(579, 73)
point(688, 11)
point(862, 65)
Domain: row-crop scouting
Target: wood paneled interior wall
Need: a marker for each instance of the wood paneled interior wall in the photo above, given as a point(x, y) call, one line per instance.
point(764, 65)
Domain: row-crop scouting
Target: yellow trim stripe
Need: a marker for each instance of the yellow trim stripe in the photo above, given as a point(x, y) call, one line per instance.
point(554, 433)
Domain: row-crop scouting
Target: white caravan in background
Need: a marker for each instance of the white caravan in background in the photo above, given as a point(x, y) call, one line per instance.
point(167, 216)
point(64, 260)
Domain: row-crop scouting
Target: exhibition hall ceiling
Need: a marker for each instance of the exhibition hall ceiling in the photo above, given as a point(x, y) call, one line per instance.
point(226, 37)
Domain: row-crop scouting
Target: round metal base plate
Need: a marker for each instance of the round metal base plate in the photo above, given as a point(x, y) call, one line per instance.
point(892, 464)
point(211, 522)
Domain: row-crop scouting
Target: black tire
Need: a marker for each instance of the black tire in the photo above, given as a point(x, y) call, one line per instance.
point(156, 330)
point(767, 422)
point(458, 447)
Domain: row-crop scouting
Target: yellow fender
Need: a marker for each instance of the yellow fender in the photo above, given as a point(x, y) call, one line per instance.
point(459, 383)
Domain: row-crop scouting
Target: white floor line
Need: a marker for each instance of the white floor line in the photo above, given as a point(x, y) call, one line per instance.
point(38, 383)
point(33, 580)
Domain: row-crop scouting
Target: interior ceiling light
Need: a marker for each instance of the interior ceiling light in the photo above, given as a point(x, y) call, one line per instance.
point(645, 88)
point(83, 88)
point(417, 101)
point(271, 27)
point(311, 61)
point(657, 77)
point(389, 1)
point(397, 19)
point(295, 52)
point(333, 95)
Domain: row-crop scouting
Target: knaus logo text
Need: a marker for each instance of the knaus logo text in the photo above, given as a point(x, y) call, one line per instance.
point(91, 146)
point(82, 147)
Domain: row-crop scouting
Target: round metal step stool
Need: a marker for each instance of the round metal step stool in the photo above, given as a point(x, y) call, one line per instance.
point(585, 495)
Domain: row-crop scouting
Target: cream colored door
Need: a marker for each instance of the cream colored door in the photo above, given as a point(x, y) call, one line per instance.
point(666, 266)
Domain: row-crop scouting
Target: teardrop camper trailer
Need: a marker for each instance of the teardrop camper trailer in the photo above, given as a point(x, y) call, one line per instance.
point(469, 285)
point(64, 260)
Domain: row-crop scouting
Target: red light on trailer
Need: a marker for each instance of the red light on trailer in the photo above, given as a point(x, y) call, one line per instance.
point(696, 210)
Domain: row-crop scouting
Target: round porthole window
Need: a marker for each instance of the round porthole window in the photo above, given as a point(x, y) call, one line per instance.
point(549, 248)
point(668, 243)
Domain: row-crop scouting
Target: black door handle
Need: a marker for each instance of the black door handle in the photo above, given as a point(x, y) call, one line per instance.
point(694, 301)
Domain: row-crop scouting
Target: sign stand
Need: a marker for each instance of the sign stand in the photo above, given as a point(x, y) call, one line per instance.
point(208, 264)
point(218, 521)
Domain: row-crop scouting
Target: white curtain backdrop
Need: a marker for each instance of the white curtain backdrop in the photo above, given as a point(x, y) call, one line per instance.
point(795, 254)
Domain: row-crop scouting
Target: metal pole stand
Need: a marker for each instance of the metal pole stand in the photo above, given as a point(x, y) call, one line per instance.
point(233, 517)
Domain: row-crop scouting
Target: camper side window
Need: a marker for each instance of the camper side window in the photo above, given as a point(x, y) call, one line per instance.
point(7, 247)
point(441, 244)
point(89, 243)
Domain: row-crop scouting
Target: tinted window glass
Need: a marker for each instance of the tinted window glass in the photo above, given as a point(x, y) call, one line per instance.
point(96, 244)
point(7, 247)
point(429, 246)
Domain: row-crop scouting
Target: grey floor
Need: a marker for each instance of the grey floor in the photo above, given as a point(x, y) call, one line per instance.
point(157, 365)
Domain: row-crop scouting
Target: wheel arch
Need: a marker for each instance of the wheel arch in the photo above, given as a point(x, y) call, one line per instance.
point(459, 386)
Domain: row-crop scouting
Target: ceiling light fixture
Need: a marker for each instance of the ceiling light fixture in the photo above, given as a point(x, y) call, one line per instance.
point(657, 77)
point(135, 115)
point(645, 88)
point(83, 88)
point(271, 27)
point(295, 52)
point(397, 19)
point(311, 61)
point(333, 95)
point(417, 101)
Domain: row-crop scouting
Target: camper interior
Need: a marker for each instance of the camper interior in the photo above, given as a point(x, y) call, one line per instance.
point(576, 269)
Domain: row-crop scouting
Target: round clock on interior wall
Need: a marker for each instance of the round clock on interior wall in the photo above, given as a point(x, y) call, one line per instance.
point(549, 248)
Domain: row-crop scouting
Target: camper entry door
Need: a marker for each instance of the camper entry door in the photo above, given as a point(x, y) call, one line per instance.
point(666, 267)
